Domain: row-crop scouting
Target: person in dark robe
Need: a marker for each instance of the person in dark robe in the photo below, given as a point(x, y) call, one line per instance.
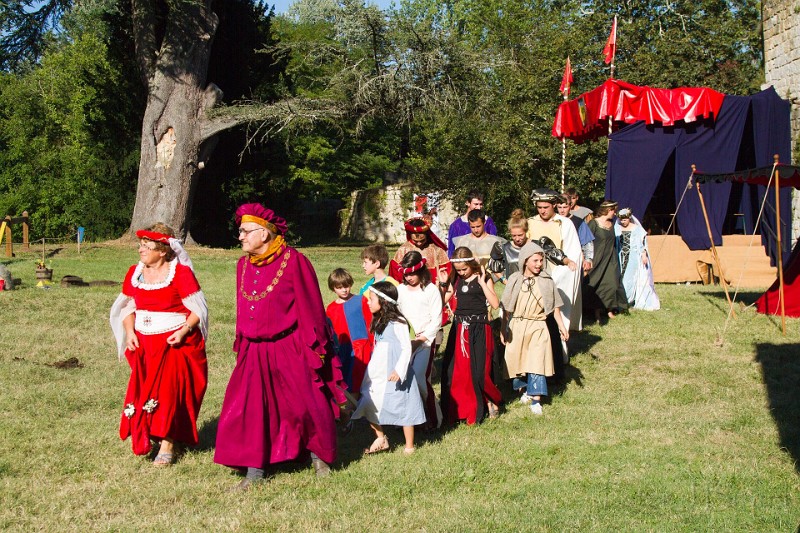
point(603, 291)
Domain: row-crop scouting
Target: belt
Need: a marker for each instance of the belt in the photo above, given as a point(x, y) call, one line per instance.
point(276, 337)
point(157, 322)
point(472, 319)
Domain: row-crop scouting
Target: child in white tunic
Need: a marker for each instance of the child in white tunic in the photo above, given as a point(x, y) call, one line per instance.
point(389, 392)
point(421, 304)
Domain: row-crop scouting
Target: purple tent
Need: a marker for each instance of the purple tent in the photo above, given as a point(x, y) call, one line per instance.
point(748, 132)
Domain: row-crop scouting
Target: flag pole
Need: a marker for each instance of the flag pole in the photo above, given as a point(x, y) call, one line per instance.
point(564, 156)
point(780, 248)
point(566, 80)
point(612, 40)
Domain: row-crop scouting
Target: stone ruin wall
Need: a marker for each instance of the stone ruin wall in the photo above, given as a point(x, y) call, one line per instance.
point(781, 20)
point(377, 215)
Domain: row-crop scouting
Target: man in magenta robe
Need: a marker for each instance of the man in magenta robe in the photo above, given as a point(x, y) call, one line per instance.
point(284, 394)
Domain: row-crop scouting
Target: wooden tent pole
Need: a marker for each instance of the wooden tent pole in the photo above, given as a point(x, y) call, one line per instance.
point(563, 163)
point(780, 248)
point(714, 248)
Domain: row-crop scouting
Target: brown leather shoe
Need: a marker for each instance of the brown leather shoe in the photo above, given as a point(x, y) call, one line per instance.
point(246, 484)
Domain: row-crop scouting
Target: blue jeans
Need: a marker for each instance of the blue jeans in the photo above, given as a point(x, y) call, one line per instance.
point(535, 385)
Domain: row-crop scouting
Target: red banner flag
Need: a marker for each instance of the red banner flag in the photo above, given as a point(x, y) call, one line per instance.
point(566, 79)
point(611, 45)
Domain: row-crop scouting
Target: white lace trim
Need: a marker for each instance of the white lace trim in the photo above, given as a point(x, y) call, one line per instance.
point(153, 286)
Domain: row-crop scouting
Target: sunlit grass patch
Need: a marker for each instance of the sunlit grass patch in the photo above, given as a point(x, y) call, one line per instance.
point(660, 428)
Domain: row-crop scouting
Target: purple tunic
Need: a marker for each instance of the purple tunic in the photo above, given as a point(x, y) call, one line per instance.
point(284, 393)
point(460, 227)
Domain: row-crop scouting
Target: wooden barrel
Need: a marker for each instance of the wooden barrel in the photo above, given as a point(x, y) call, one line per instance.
point(44, 274)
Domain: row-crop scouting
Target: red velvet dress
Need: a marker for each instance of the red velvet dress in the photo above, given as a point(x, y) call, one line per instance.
point(173, 376)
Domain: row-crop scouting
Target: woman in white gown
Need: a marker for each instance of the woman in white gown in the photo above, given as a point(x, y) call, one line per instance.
point(634, 262)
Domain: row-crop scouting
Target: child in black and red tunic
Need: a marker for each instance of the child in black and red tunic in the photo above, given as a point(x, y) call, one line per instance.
point(468, 392)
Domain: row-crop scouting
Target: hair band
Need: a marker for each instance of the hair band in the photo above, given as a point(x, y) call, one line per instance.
point(382, 295)
point(153, 236)
point(414, 268)
point(462, 259)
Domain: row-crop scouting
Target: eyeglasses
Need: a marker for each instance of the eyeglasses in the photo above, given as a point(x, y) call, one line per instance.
point(149, 245)
point(243, 231)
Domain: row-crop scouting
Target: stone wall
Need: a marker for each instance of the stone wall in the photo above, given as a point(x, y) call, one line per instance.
point(781, 20)
point(377, 215)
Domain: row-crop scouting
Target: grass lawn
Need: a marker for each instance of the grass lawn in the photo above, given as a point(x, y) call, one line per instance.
point(661, 427)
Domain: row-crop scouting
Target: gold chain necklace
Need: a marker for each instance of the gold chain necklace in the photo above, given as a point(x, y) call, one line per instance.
point(254, 297)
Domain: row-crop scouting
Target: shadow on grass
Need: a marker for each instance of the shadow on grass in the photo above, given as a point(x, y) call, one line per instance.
point(780, 366)
point(719, 299)
point(743, 300)
point(207, 435)
point(350, 447)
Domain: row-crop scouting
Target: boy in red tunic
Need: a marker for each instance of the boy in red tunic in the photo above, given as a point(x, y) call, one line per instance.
point(350, 317)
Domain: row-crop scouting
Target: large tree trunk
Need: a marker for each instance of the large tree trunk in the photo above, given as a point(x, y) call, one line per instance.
point(175, 128)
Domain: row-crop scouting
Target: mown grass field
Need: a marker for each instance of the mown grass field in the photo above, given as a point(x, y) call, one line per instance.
point(660, 428)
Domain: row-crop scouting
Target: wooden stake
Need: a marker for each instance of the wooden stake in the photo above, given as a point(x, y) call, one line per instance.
point(780, 248)
point(714, 248)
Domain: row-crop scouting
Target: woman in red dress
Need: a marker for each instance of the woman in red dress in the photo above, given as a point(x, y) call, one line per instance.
point(160, 321)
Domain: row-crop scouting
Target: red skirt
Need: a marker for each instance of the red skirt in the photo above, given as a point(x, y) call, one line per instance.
point(467, 373)
point(175, 379)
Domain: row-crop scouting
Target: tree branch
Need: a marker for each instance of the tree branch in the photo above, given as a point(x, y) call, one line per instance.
point(269, 118)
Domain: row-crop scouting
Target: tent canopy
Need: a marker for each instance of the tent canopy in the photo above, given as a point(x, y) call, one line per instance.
point(586, 117)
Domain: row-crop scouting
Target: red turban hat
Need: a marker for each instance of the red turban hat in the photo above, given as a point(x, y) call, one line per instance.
point(261, 215)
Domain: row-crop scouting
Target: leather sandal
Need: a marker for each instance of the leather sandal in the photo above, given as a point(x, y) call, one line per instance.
point(381, 444)
point(163, 460)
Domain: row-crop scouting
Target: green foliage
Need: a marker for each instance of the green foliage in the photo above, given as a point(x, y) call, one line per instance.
point(69, 142)
point(499, 138)
point(25, 29)
point(451, 94)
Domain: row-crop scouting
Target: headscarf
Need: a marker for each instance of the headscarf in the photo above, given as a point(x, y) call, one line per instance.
point(514, 283)
point(175, 244)
point(411, 226)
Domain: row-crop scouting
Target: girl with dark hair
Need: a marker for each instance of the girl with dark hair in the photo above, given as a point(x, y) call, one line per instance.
point(421, 304)
point(389, 392)
point(468, 391)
